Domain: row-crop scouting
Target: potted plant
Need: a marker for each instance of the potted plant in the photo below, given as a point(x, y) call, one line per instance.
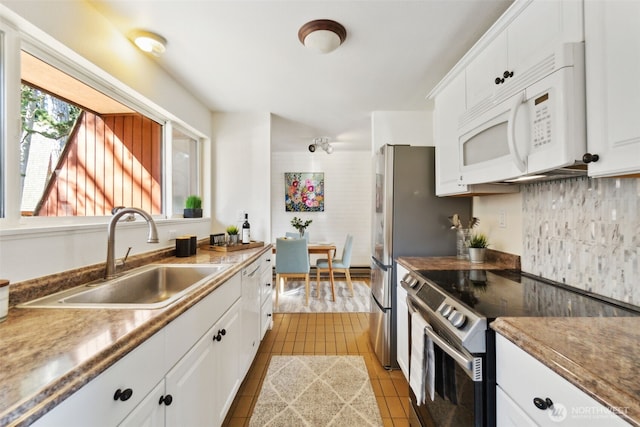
point(193, 207)
point(477, 245)
point(232, 231)
point(299, 225)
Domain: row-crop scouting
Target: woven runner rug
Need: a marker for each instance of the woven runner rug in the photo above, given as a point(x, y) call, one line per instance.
point(292, 299)
point(316, 391)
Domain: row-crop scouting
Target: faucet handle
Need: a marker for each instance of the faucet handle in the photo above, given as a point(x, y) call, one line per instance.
point(124, 259)
point(116, 209)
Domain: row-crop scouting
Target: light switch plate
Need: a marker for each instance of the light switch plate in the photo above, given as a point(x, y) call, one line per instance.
point(502, 219)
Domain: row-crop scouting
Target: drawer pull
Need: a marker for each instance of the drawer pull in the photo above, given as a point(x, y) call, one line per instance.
point(542, 404)
point(166, 400)
point(221, 333)
point(123, 395)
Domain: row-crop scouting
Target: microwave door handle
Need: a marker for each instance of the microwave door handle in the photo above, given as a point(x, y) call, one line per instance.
point(511, 134)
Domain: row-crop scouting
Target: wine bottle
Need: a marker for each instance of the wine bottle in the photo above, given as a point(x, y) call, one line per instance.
point(246, 230)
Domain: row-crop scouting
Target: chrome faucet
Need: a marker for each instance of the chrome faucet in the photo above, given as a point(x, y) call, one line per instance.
point(110, 270)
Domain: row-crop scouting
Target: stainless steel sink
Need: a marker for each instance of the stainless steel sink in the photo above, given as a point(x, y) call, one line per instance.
point(152, 286)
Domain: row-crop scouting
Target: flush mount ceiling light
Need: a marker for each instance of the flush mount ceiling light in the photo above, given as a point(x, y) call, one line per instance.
point(322, 35)
point(322, 142)
point(149, 42)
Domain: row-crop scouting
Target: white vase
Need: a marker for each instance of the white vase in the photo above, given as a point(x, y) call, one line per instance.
point(476, 255)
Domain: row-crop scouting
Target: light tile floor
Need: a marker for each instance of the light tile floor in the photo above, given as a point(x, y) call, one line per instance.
point(323, 334)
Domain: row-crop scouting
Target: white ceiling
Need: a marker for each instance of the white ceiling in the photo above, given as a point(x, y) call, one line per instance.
point(240, 56)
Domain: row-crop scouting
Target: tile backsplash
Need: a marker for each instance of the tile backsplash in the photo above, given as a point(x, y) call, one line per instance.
point(586, 233)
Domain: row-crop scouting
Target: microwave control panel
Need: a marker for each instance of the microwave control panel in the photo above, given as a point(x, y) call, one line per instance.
point(541, 129)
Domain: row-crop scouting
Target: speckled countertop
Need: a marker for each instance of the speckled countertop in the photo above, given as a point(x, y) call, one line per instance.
point(47, 354)
point(494, 260)
point(599, 355)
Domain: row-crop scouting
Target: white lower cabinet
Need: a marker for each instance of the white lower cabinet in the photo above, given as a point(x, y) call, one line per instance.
point(150, 412)
point(266, 295)
point(107, 399)
point(402, 340)
point(185, 375)
point(529, 393)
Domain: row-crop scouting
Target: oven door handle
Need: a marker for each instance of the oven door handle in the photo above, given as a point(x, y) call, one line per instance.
point(473, 365)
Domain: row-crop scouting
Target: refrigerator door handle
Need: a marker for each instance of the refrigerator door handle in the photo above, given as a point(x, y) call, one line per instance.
point(380, 306)
point(382, 266)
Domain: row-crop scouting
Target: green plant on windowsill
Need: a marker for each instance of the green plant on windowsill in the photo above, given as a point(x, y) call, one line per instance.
point(193, 207)
point(478, 240)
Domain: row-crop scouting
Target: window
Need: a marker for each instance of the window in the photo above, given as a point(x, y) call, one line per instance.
point(81, 152)
point(184, 167)
point(86, 142)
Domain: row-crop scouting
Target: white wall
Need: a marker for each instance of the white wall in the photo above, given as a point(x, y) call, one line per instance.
point(79, 27)
point(347, 176)
point(401, 127)
point(91, 41)
point(505, 208)
point(241, 147)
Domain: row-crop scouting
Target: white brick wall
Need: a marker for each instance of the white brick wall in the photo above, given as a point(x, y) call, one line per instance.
point(348, 189)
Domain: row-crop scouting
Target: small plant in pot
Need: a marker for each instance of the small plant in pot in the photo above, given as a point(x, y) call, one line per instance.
point(193, 207)
point(477, 246)
point(232, 231)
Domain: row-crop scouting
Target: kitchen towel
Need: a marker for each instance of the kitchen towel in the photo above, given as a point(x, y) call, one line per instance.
point(421, 368)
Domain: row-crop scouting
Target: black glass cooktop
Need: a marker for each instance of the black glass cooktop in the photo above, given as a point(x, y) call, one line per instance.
point(494, 293)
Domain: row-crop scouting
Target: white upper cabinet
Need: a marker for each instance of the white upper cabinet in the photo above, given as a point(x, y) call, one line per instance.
point(482, 72)
point(529, 38)
point(449, 104)
point(612, 55)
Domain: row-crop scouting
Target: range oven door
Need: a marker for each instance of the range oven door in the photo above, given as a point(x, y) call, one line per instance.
point(459, 397)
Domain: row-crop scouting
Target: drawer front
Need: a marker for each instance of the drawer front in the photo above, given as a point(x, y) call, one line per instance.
point(94, 404)
point(266, 277)
point(266, 317)
point(508, 413)
point(524, 378)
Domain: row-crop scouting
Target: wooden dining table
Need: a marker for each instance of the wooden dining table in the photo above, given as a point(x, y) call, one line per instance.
point(321, 248)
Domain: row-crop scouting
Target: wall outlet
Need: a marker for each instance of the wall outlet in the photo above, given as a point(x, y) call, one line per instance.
point(502, 219)
point(172, 234)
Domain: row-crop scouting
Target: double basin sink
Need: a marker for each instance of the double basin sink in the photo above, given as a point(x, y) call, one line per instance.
point(149, 287)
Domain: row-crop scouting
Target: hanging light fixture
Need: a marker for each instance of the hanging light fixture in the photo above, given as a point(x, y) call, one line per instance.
point(149, 42)
point(322, 142)
point(322, 35)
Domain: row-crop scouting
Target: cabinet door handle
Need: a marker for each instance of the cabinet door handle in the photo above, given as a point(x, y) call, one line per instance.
point(507, 74)
point(542, 404)
point(268, 284)
point(268, 314)
point(221, 333)
point(123, 395)
point(499, 81)
point(166, 400)
point(590, 158)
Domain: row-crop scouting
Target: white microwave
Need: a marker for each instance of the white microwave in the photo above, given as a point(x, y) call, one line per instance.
point(534, 125)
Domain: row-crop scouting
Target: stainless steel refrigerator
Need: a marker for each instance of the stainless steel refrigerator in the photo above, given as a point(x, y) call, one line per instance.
point(408, 220)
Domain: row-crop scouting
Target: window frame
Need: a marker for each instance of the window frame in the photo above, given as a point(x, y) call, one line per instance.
point(12, 43)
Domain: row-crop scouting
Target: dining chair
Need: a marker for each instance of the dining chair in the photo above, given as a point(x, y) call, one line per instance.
point(294, 235)
point(340, 265)
point(292, 261)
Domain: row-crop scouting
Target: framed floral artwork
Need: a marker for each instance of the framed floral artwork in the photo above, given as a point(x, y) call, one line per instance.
point(304, 191)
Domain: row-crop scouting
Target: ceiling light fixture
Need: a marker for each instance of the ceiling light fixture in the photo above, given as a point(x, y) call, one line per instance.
point(149, 42)
point(322, 35)
point(322, 142)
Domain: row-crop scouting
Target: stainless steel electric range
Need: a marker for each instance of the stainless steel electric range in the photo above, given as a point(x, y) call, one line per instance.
point(459, 305)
